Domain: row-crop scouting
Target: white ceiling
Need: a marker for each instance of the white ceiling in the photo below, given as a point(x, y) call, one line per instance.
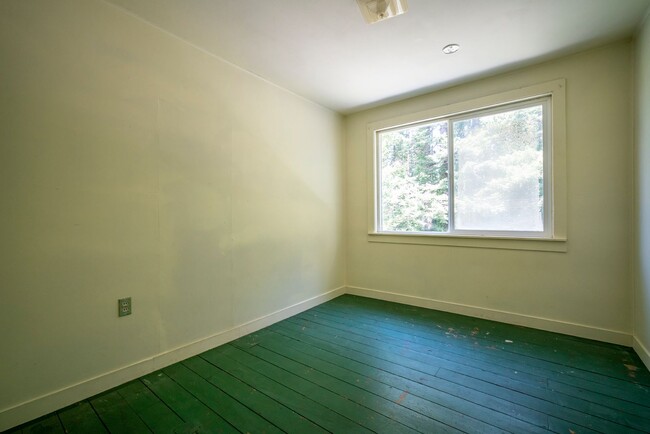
point(324, 51)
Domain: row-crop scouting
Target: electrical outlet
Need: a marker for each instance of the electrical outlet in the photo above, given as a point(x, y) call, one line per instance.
point(124, 306)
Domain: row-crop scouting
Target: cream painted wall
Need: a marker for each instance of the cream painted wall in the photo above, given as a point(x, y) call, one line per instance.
point(133, 164)
point(591, 284)
point(642, 287)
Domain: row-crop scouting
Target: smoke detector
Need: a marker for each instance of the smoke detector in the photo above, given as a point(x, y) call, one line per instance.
point(379, 10)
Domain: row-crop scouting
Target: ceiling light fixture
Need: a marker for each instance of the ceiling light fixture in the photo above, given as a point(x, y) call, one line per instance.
point(450, 49)
point(379, 10)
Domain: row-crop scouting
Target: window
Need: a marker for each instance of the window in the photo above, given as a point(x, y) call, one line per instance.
point(481, 172)
point(481, 169)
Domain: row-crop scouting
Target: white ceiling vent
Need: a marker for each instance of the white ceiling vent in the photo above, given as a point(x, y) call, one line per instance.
point(378, 10)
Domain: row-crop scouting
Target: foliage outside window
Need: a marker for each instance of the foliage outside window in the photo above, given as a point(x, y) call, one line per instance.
point(484, 172)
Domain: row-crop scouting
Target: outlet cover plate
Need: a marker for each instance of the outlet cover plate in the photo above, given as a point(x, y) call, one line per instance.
point(124, 306)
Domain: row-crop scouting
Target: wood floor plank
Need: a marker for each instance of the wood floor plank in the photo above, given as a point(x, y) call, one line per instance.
point(344, 406)
point(117, 415)
point(315, 406)
point(526, 363)
point(487, 328)
point(471, 327)
point(500, 413)
point(588, 355)
point(556, 411)
point(417, 379)
point(423, 363)
point(451, 337)
point(578, 406)
point(617, 416)
point(449, 410)
point(559, 360)
point(272, 410)
point(81, 418)
point(627, 406)
point(422, 374)
point(234, 412)
point(521, 366)
point(385, 400)
point(153, 411)
point(594, 388)
point(193, 412)
point(437, 358)
point(46, 425)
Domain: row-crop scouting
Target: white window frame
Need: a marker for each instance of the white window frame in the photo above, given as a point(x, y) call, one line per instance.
point(554, 237)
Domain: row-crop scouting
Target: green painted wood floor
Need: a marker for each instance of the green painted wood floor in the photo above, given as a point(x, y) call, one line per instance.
point(356, 365)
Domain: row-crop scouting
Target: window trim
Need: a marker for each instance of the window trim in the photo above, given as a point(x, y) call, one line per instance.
point(554, 237)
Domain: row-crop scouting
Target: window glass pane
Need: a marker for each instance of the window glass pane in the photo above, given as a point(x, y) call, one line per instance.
point(414, 179)
point(498, 171)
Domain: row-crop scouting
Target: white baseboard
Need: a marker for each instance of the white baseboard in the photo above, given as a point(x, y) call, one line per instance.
point(599, 334)
point(642, 351)
point(53, 401)
point(56, 400)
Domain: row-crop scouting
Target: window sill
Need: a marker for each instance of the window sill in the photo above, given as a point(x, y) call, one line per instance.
point(481, 242)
